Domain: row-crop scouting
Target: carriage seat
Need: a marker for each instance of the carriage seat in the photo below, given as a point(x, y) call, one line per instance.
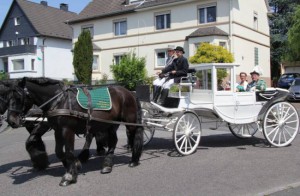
point(190, 79)
point(266, 95)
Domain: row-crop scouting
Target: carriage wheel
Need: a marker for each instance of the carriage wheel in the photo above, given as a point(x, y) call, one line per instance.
point(148, 131)
point(187, 133)
point(243, 131)
point(281, 124)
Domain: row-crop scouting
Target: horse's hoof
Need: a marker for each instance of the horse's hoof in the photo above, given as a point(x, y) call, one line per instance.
point(133, 164)
point(106, 170)
point(68, 179)
point(66, 183)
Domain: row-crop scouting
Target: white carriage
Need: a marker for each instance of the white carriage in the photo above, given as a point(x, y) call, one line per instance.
point(245, 112)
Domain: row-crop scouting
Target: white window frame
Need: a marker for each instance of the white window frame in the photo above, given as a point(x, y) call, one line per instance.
point(223, 44)
point(205, 7)
point(32, 64)
point(165, 25)
point(117, 58)
point(96, 64)
point(161, 62)
point(89, 28)
point(117, 27)
point(24, 41)
point(14, 65)
point(17, 21)
point(10, 43)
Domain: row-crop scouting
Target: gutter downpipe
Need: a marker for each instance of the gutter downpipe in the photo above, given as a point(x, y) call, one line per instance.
point(43, 56)
point(230, 27)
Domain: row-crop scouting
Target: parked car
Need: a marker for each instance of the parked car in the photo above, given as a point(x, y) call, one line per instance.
point(287, 79)
point(294, 90)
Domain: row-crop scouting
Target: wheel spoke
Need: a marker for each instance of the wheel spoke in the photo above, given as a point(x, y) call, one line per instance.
point(275, 134)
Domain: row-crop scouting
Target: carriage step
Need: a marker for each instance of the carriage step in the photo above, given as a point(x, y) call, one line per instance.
point(162, 114)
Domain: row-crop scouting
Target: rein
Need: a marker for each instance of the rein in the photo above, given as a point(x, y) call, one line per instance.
point(67, 112)
point(70, 112)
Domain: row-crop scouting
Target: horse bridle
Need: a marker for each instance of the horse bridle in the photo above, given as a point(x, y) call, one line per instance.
point(22, 93)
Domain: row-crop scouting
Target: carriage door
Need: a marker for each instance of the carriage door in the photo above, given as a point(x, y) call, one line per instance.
point(224, 99)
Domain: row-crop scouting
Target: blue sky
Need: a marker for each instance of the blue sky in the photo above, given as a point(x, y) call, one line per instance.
point(74, 5)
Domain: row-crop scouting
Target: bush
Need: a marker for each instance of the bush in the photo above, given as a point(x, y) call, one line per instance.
point(130, 72)
point(3, 75)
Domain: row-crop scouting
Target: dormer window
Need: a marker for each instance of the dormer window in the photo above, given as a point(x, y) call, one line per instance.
point(17, 21)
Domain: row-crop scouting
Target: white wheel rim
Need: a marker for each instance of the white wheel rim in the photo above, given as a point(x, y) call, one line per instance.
point(148, 131)
point(281, 124)
point(187, 133)
point(244, 130)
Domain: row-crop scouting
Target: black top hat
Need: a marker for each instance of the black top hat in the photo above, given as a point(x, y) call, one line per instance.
point(179, 48)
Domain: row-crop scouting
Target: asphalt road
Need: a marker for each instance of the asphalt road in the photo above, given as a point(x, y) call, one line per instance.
point(222, 165)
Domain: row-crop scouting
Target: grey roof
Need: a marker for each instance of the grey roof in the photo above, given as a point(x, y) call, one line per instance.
point(105, 8)
point(48, 21)
point(207, 31)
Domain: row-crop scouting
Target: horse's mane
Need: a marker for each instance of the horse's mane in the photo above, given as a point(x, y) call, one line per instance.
point(44, 81)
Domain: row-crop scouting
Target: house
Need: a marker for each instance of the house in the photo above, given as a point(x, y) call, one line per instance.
point(149, 26)
point(35, 41)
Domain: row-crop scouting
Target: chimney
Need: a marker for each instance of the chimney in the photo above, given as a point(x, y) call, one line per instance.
point(64, 6)
point(45, 3)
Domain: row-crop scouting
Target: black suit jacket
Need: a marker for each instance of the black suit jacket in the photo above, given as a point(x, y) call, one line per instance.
point(181, 66)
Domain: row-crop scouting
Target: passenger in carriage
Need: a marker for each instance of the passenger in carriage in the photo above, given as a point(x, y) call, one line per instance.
point(256, 83)
point(157, 83)
point(242, 85)
point(177, 70)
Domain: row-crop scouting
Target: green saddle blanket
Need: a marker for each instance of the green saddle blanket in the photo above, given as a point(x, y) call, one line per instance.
point(100, 99)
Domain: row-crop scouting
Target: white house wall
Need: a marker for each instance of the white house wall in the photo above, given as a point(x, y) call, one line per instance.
point(144, 39)
point(58, 59)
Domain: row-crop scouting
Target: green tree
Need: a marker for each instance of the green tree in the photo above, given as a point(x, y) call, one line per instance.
point(280, 21)
point(208, 53)
point(294, 37)
point(131, 71)
point(83, 58)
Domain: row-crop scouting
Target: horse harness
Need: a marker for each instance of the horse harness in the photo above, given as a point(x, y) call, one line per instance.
point(73, 113)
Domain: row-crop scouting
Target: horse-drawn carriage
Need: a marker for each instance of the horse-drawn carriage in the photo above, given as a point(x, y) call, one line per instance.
point(244, 112)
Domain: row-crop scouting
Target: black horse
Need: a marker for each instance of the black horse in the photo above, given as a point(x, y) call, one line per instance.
point(68, 118)
point(36, 129)
point(34, 143)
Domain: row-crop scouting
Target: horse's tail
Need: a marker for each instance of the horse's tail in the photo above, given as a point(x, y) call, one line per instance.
point(137, 147)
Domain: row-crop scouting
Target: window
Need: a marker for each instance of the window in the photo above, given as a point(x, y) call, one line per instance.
point(18, 64)
point(162, 21)
point(255, 21)
point(117, 59)
point(89, 28)
point(32, 64)
point(10, 43)
point(161, 57)
point(17, 21)
point(95, 63)
point(120, 27)
point(223, 44)
point(23, 41)
point(255, 56)
point(207, 14)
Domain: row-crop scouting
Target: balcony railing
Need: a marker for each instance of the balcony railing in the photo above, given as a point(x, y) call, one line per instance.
point(13, 50)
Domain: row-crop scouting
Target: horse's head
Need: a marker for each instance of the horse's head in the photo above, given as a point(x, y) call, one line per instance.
point(18, 104)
